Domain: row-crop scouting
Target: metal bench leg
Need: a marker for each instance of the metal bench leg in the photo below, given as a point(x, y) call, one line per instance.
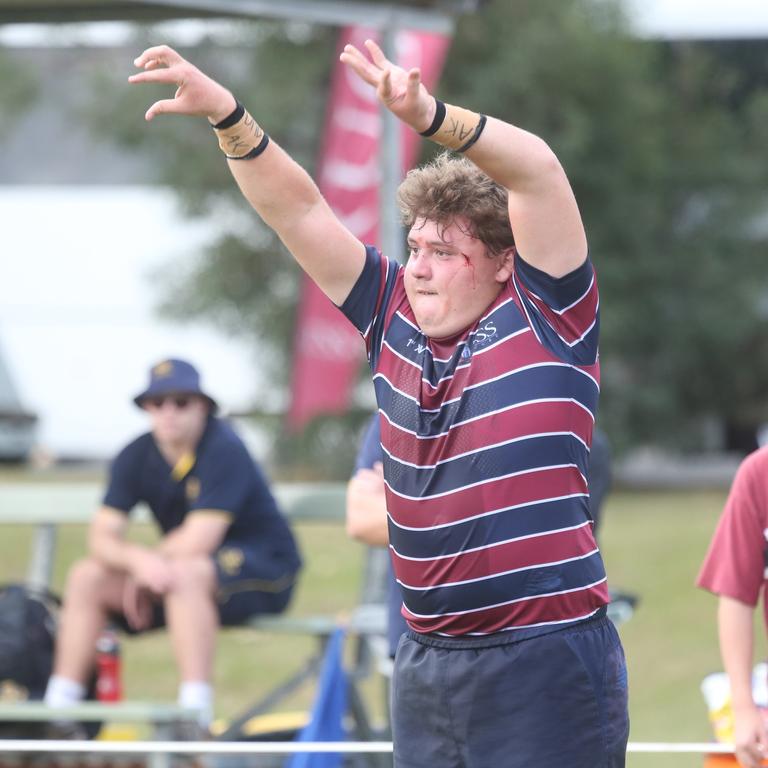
point(363, 730)
point(271, 699)
point(40, 568)
point(158, 760)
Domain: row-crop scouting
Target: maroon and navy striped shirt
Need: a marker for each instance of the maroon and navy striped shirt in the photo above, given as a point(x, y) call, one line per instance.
point(486, 441)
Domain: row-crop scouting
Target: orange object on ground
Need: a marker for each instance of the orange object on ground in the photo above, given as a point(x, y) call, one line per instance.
point(723, 761)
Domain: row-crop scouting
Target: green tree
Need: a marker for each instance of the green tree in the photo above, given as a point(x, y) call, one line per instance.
point(665, 145)
point(18, 91)
point(666, 148)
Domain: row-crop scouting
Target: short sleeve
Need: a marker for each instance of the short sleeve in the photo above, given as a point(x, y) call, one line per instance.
point(563, 312)
point(368, 298)
point(123, 489)
point(735, 563)
point(370, 450)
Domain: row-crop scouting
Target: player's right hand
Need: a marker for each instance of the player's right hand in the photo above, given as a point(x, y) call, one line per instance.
point(750, 738)
point(196, 93)
point(151, 571)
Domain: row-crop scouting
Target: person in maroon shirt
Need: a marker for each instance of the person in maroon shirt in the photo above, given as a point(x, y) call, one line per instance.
point(735, 570)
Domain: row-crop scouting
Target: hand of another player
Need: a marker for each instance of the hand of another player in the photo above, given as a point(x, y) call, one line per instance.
point(750, 738)
point(196, 93)
point(138, 605)
point(367, 507)
point(401, 92)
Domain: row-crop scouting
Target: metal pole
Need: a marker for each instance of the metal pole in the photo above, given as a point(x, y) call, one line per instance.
point(339, 12)
point(391, 161)
point(40, 569)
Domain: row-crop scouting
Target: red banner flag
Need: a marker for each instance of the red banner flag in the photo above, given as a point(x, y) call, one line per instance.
point(327, 348)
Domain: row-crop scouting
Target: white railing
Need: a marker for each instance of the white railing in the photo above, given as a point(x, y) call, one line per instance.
point(285, 747)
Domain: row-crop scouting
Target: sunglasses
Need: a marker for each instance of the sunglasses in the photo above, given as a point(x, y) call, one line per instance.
point(178, 401)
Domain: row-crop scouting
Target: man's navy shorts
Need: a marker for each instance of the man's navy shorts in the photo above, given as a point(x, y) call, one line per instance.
point(555, 700)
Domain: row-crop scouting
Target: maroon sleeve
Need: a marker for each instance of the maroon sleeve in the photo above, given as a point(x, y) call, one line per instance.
point(734, 566)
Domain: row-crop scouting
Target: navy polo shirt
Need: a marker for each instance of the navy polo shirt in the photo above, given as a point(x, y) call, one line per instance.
point(369, 453)
point(220, 476)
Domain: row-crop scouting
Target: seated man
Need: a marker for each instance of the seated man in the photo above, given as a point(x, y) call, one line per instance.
point(736, 570)
point(226, 552)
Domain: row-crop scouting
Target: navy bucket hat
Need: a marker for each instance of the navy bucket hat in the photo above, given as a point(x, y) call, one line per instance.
point(173, 377)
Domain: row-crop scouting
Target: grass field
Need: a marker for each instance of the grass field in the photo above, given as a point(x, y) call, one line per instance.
point(653, 545)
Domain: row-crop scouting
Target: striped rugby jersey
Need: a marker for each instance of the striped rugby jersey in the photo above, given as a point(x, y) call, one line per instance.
point(486, 440)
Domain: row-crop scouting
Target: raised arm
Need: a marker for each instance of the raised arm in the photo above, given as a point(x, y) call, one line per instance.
point(280, 191)
point(542, 209)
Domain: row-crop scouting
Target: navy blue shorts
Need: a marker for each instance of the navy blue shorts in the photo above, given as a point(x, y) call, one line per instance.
point(552, 701)
point(248, 586)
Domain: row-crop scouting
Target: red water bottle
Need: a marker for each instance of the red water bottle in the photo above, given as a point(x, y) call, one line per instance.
point(108, 676)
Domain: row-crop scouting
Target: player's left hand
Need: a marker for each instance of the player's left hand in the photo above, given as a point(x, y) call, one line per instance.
point(401, 92)
point(138, 605)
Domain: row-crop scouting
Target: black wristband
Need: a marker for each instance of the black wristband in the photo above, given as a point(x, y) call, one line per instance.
point(437, 121)
point(231, 118)
point(255, 152)
point(475, 136)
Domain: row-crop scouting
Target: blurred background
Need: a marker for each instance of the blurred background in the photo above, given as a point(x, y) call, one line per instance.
point(123, 242)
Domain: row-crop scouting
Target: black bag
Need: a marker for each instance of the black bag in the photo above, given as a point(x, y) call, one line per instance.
point(27, 635)
point(28, 621)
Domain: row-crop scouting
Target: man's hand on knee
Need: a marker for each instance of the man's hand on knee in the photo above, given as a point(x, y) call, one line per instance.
point(138, 605)
point(152, 571)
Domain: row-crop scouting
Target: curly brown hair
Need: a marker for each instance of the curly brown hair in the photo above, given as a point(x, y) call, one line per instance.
point(452, 187)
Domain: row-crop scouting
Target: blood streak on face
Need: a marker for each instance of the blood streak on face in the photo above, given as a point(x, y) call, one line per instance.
point(469, 265)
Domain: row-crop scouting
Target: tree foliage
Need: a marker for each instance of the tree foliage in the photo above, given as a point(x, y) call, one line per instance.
point(665, 145)
point(18, 90)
